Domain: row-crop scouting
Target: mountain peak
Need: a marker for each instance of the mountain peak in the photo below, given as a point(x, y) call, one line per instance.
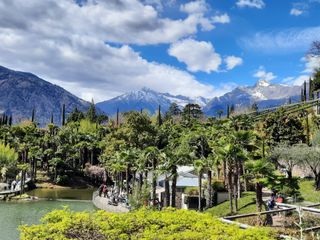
point(262, 83)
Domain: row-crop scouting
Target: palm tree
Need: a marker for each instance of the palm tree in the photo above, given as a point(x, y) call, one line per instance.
point(259, 170)
point(153, 155)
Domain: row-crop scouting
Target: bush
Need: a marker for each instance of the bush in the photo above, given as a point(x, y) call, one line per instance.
point(218, 186)
point(143, 224)
point(191, 191)
point(62, 180)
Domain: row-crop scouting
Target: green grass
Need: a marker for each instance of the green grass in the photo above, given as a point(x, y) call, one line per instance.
point(247, 204)
point(307, 191)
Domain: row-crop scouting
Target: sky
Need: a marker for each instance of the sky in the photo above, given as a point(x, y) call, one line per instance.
point(99, 49)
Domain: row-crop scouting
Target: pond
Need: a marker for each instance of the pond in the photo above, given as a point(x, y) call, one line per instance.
point(13, 214)
point(64, 193)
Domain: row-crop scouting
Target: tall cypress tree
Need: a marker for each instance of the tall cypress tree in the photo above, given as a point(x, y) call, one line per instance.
point(228, 111)
point(33, 115)
point(310, 89)
point(10, 120)
point(305, 91)
point(232, 109)
point(51, 119)
point(92, 113)
point(63, 120)
point(301, 95)
point(159, 116)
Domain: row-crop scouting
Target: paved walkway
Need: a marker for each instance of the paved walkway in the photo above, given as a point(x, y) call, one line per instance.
point(102, 203)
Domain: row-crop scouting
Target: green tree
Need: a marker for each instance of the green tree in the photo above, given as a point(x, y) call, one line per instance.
point(281, 127)
point(75, 116)
point(260, 170)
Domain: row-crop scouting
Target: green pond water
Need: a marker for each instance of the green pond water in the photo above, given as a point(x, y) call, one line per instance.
point(13, 214)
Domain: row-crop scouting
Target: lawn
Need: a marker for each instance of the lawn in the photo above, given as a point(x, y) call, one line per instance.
point(307, 191)
point(247, 204)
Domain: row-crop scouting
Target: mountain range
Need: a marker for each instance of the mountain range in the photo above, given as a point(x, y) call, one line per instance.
point(263, 93)
point(21, 92)
point(147, 99)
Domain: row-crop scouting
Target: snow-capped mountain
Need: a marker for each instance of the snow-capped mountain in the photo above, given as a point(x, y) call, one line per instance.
point(263, 93)
point(147, 99)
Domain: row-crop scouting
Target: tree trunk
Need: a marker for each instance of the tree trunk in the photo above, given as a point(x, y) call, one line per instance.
point(154, 184)
point(224, 166)
point(174, 186)
point(140, 180)
point(127, 180)
point(166, 192)
point(259, 201)
point(235, 186)
point(200, 192)
point(209, 204)
point(245, 182)
point(317, 182)
point(230, 191)
point(92, 156)
point(238, 179)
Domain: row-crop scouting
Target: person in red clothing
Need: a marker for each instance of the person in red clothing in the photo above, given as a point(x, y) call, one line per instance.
point(104, 190)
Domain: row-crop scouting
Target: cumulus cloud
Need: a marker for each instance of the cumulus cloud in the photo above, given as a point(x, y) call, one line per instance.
point(224, 18)
point(263, 75)
point(233, 61)
point(311, 63)
point(281, 42)
point(198, 6)
point(296, 12)
point(71, 45)
point(119, 21)
point(298, 81)
point(197, 55)
point(251, 3)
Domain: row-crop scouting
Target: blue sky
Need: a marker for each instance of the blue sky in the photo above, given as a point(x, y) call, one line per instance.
point(102, 48)
point(271, 21)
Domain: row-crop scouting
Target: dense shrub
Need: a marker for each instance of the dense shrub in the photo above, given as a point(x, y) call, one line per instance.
point(143, 224)
point(62, 180)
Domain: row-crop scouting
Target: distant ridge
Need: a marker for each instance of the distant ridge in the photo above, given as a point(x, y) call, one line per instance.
point(146, 99)
point(263, 93)
point(21, 92)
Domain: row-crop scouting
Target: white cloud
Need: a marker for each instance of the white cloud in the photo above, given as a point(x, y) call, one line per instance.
point(296, 12)
point(311, 63)
point(298, 81)
point(281, 42)
point(118, 21)
point(233, 61)
point(66, 44)
point(221, 18)
point(263, 75)
point(194, 7)
point(198, 56)
point(251, 3)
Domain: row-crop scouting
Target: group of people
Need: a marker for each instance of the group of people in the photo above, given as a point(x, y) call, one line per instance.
point(275, 198)
point(113, 194)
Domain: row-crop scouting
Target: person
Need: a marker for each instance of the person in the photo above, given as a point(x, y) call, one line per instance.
point(100, 189)
point(271, 202)
point(105, 190)
point(13, 185)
